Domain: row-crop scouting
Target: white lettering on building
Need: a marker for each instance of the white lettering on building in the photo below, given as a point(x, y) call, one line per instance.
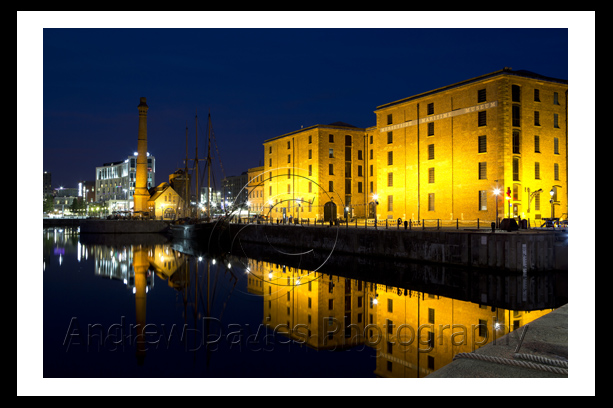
point(445, 115)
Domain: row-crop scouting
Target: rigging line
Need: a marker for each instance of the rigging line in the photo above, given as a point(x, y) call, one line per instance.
point(223, 173)
point(212, 133)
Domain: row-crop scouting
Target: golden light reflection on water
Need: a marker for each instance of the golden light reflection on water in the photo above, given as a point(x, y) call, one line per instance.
point(413, 333)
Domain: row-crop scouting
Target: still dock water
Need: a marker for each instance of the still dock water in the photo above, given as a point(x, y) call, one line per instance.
point(120, 307)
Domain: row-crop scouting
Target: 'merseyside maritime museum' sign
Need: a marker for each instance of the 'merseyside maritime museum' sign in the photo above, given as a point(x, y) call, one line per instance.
point(446, 115)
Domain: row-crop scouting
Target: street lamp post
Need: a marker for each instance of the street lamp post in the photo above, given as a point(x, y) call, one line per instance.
point(531, 197)
point(551, 193)
point(508, 197)
point(496, 193)
point(299, 206)
point(375, 197)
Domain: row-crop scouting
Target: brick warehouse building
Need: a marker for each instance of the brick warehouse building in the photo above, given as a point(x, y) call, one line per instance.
point(436, 155)
point(316, 172)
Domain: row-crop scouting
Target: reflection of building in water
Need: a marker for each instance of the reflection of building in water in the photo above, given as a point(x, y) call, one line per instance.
point(117, 263)
point(322, 311)
point(58, 242)
point(168, 264)
point(414, 333)
point(255, 278)
point(136, 266)
point(422, 332)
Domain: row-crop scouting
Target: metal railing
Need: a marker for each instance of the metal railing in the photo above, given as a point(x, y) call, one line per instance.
point(371, 223)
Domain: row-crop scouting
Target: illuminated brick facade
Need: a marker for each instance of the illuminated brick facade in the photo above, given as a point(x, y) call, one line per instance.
point(255, 187)
point(436, 155)
point(315, 172)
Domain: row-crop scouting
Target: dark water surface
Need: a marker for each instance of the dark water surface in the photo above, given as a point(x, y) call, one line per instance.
point(122, 307)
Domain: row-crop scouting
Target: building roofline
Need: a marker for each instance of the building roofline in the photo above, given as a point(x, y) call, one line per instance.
point(331, 126)
point(504, 71)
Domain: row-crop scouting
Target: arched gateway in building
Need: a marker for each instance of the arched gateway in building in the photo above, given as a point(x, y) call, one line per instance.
point(329, 211)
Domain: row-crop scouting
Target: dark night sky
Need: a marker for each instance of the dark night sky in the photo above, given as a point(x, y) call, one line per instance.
point(257, 83)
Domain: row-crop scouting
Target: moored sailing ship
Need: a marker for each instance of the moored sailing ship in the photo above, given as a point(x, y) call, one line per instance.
point(207, 231)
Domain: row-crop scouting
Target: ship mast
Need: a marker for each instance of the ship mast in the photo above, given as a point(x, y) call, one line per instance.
point(196, 168)
point(185, 177)
point(208, 160)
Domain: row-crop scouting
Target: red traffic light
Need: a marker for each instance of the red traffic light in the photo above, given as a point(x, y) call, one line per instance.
point(509, 192)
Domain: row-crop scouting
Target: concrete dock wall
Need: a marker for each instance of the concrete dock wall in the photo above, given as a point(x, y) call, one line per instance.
point(518, 251)
point(511, 251)
point(61, 222)
point(93, 226)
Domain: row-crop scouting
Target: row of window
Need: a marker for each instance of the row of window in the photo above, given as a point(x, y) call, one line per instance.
point(482, 115)
point(482, 145)
point(516, 95)
point(482, 175)
point(537, 170)
point(481, 148)
point(330, 155)
point(481, 97)
point(516, 117)
point(482, 200)
point(482, 121)
point(482, 172)
point(348, 141)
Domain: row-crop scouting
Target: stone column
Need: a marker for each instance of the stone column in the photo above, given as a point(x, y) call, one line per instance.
point(141, 194)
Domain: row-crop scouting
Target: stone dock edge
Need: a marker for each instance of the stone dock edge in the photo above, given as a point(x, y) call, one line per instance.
point(545, 339)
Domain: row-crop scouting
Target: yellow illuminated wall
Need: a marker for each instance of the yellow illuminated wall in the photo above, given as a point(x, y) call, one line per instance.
point(314, 166)
point(256, 189)
point(437, 155)
point(165, 203)
point(441, 154)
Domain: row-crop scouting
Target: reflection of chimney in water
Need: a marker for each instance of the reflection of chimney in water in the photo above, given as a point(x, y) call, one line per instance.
point(141, 266)
point(141, 194)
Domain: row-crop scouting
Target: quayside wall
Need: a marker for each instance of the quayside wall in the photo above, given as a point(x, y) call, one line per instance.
point(94, 226)
point(518, 251)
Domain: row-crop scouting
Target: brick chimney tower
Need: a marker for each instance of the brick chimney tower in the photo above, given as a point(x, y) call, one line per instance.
point(141, 193)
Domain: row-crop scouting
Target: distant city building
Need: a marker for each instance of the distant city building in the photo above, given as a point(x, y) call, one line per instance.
point(115, 181)
point(47, 190)
point(86, 189)
point(234, 190)
point(180, 182)
point(67, 192)
point(256, 189)
point(63, 199)
point(215, 199)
